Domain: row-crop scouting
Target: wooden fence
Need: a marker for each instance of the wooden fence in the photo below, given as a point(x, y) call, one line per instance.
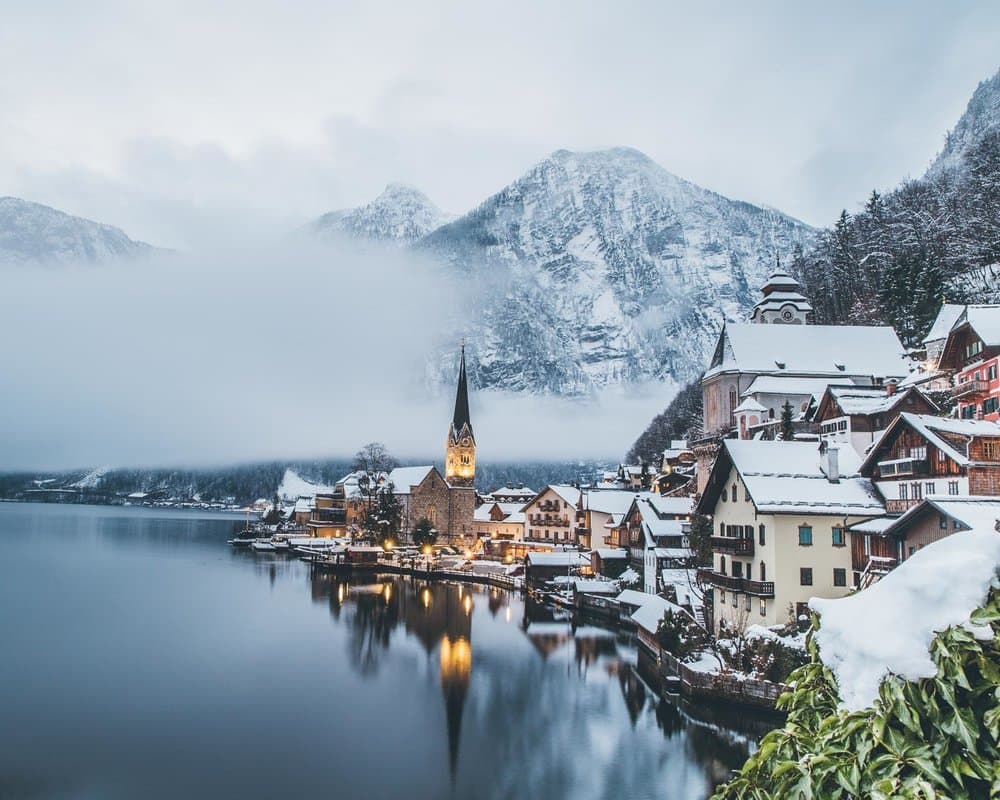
point(745, 691)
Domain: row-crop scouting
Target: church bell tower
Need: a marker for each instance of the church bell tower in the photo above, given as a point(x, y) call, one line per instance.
point(460, 450)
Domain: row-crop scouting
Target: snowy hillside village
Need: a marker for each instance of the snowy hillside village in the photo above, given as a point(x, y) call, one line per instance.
point(829, 455)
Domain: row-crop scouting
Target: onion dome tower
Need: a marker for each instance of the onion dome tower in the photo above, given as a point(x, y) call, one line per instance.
point(783, 302)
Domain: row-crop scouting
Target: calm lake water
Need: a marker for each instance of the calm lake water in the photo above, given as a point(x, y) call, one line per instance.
point(142, 657)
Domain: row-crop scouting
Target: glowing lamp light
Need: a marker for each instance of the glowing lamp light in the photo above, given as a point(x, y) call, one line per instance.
point(426, 550)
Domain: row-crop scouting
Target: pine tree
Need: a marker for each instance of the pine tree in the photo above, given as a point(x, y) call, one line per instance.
point(787, 424)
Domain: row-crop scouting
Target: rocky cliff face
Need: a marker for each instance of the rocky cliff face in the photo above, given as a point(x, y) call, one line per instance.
point(602, 268)
point(33, 233)
point(981, 117)
point(401, 214)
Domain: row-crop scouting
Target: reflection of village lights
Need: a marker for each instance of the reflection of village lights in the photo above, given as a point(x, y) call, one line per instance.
point(467, 604)
point(456, 658)
point(340, 593)
point(468, 554)
point(425, 597)
point(387, 592)
point(507, 614)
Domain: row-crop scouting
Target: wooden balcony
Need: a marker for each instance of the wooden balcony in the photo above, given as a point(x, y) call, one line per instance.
point(734, 584)
point(742, 546)
point(970, 388)
point(900, 506)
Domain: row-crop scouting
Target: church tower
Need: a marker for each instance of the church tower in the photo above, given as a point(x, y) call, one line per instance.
point(783, 302)
point(460, 450)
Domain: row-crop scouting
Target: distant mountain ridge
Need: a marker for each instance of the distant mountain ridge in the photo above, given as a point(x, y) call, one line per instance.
point(35, 233)
point(981, 117)
point(592, 270)
point(400, 213)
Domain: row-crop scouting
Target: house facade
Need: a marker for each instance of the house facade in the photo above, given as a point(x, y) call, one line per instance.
point(858, 415)
point(781, 513)
point(972, 352)
point(920, 455)
point(551, 516)
point(499, 521)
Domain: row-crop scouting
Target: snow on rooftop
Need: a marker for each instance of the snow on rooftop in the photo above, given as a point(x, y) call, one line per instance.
point(682, 506)
point(944, 322)
point(650, 613)
point(985, 321)
point(866, 400)
point(843, 350)
point(929, 427)
point(564, 559)
point(404, 478)
point(876, 525)
point(609, 501)
point(786, 477)
point(889, 627)
point(611, 552)
point(568, 493)
point(595, 587)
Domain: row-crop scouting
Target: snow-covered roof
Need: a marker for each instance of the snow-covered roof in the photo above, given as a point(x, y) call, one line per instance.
point(681, 580)
point(779, 280)
point(404, 478)
point(876, 525)
point(788, 386)
point(515, 517)
point(483, 513)
point(786, 478)
point(650, 613)
point(944, 322)
point(632, 597)
point(749, 404)
point(888, 628)
point(932, 428)
point(595, 587)
point(609, 501)
point(611, 552)
point(565, 559)
point(972, 511)
point(817, 350)
point(662, 527)
point(682, 506)
point(512, 491)
point(865, 400)
point(985, 321)
point(672, 552)
point(565, 492)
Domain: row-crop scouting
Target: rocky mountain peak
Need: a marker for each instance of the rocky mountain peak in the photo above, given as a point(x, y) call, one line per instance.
point(400, 213)
point(981, 116)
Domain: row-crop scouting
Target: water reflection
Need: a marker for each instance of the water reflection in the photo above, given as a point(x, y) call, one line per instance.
point(262, 678)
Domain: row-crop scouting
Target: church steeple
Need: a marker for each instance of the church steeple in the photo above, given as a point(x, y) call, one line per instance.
point(460, 456)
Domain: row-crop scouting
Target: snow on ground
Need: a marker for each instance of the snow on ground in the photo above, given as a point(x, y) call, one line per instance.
point(293, 486)
point(888, 628)
point(92, 479)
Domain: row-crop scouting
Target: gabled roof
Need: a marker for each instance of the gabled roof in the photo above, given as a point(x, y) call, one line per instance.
point(608, 501)
point(944, 322)
point(786, 478)
point(810, 350)
point(788, 385)
point(935, 430)
point(404, 478)
point(565, 492)
point(867, 400)
point(983, 320)
point(971, 511)
point(683, 506)
point(565, 559)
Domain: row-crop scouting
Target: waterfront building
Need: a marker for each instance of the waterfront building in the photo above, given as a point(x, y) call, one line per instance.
point(781, 513)
point(499, 521)
point(550, 516)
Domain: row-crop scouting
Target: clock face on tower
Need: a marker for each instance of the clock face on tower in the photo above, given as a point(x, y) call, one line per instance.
point(786, 314)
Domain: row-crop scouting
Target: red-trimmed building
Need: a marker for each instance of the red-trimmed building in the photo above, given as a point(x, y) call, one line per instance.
point(972, 352)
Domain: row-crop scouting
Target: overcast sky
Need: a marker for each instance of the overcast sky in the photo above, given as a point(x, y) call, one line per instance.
point(187, 122)
point(211, 128)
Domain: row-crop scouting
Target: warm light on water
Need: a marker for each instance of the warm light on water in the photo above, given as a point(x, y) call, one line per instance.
point(144, 658)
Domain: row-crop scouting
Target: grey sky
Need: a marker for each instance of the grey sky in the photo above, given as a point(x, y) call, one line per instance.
point(187, 123)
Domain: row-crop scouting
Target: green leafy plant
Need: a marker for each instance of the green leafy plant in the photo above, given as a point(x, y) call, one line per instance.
point(930, 738)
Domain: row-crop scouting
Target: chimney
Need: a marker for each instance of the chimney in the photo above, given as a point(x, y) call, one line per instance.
point(831, 465)
point(890, 389)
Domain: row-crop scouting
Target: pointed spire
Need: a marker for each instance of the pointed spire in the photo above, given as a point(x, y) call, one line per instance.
point(462, 399)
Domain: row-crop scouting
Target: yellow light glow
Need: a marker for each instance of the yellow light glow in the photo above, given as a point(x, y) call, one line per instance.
point(468, 554)
point(425, 597)
point(388, 544)
point(426, 550)
point(467, 604)
point(340, 593)
point(387, 592)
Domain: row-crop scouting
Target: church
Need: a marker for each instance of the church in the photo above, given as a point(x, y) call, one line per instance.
point(447, 501)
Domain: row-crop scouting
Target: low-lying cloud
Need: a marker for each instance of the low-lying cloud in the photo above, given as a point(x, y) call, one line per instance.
point(287, 349)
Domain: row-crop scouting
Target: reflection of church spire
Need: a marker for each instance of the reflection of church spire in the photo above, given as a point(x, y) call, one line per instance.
point(456, 664)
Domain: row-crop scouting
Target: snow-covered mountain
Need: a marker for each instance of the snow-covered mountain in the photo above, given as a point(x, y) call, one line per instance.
point(401, 213)
point(33, 233)
point(981, 116)
point(602, 268)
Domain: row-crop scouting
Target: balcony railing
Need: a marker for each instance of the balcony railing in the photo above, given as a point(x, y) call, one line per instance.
point(742, 546)
point(900, 506)
point(903, 466)
point(970, 387)
point(734, 584)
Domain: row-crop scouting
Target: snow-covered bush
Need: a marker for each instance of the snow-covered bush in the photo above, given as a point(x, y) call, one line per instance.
point(916, 711)
point(681, 636)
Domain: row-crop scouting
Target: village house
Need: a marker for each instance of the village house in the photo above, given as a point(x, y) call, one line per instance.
point(972, 351)
point(657, 537)
point(550, 516)
point(543, 568)
point(610, 562)
point(598, 511)
point(781, 513)
point(858, 415)
point(499, 521)
point(939, 516)
point(921, 455)
point(938, 334)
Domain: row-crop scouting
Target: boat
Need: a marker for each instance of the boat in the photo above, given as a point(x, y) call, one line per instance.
point(263, 546)
point(241, 541)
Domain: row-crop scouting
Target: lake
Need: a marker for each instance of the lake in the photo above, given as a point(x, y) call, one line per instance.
point(142, 657)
